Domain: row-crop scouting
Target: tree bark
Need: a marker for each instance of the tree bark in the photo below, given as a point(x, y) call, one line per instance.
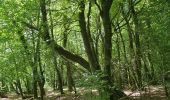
point(31, 62)
point(106, 5)
point(60, 84)
point(70, 81)
point(41, 78)
point(87, 39)
point(133, 77)
point(105, 15)
point(58, 49)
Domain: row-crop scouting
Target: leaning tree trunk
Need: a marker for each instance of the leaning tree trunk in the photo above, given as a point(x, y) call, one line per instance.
point(57, 48)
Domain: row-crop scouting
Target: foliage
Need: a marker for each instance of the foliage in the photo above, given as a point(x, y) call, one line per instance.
point(134, 32)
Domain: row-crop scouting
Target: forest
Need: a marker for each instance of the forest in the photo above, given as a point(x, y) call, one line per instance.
point(84, 49)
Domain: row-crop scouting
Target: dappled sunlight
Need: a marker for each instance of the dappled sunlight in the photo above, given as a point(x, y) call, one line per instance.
point(84, 49)
point(149, 93)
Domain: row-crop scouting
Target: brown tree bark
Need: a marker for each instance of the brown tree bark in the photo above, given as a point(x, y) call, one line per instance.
point(105, 9)
point(105, 15)
point(41, 78)
point(87, 39)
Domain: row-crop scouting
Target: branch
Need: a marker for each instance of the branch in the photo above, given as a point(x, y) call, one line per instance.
point(60, 50)
point(30, 26)
point(73, 57)
point(63, 52)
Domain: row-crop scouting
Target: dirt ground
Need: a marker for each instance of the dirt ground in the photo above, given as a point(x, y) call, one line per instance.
point(150, 93)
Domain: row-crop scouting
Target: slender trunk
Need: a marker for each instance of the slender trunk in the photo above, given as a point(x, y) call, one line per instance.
point(98, 29)
point(126, 63)
point(69, 77)
point(148, 23)
point(137, 44)
point(59, 77)
point(35, 74)
point(28, 85)
point(41, 78)
point(132, 77)
point(16, 88)
point(87, 39)
point(119, 60)
point(18, 82)
point(146, 70)
point(12, 88)
point(31, 62)
point(54, 54)
point(34, 69)
point(53, 81)
point(60, 82)
point(58, 49)
point(70, 81)
point(152, 67)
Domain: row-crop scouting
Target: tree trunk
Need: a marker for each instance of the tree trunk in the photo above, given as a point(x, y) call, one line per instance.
point(35, 79)
point(18, 82)
point(149, 28)
point(34, 69)
point(104, 12)
point(132, 77)
point(137, 44)
point(41, 78)
point(70, 81)
point(87, 39)
point(28, 85)
point(119, 60)
point(52, 44)
point(106, 5)
point(125, 69)
point(31, 62)
point(58, 49)
point(60, 82)
point(69, 77)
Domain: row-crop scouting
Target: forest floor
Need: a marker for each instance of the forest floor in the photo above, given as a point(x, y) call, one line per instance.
point(150, 93)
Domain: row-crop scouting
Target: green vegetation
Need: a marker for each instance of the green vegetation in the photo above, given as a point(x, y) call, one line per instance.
point(106, 46)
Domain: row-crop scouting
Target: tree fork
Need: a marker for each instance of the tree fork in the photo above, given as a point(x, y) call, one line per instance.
point(60, 50)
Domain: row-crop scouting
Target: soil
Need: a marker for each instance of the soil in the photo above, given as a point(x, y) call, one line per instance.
point(149, 93)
